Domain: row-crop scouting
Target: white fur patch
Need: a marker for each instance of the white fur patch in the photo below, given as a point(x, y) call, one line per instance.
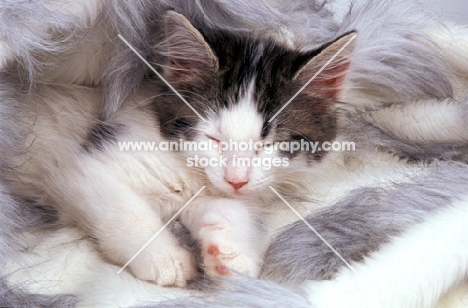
point(236, 126)
point(242, 122)
point(65, 262)
point(424, 121)
point(453, 43)
point(85, 12)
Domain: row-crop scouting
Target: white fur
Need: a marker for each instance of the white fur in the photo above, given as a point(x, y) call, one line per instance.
point(432, 120)
point(455, 297)
point(120, 198)
point(332, 179)
point(6, 54)
point(82, 64)
point(78, 61)
point(412, 271)
point(124, 198)
point(228, 236)
point(241, 123)
point(65, 261)
point(84, 12)
point(453, 42)
point(424, 121)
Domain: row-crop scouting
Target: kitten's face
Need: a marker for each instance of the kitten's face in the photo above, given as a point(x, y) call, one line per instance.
point(238, 83)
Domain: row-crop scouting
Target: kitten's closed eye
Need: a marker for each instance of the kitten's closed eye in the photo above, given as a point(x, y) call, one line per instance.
point(212, 138)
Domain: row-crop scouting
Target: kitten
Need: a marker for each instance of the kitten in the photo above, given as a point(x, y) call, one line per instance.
point(237, 82)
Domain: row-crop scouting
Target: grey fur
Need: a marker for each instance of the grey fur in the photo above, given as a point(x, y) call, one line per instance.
point(386, 30)
point(13, 94)
point(9, 245)
point(16, 297)
point(16, 215)
point(369, 137)
point(238, 292)
point(360, 224)
point(139, 22)
point(392, 52)
point(391, 43)
point(11, 137)
point(125, 71)
point(21, 30)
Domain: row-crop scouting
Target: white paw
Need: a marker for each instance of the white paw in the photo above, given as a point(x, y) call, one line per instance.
point(169, 265)
point(224, 259)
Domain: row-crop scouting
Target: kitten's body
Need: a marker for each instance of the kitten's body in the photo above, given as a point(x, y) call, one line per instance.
point(121, 198)
point(237, 82)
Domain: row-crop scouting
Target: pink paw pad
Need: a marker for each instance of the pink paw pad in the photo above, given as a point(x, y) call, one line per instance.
point(222, 270)
point(213, 250)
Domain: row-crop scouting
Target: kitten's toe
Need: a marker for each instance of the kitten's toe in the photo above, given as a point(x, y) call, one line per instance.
point(227, 259)
point(170, 266)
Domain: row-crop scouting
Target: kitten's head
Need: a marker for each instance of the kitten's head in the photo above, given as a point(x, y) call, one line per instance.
point(237, 83)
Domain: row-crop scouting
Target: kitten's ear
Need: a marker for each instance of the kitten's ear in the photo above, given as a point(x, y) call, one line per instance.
point(189, 55)
point(329, 81)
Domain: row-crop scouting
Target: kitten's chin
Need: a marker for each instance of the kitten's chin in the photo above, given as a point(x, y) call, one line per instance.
point(230, 192)
point(243, 192)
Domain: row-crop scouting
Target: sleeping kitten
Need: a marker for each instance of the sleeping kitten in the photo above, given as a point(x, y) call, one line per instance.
point(122, 198)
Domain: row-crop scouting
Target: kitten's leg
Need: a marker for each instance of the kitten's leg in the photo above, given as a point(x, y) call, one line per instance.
point(122, 222)
point(229, 238)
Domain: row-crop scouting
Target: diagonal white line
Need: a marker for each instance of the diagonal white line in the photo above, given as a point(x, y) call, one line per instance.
point(162, 78)
point(160, 230)
point(311, 228)
point(311, 79)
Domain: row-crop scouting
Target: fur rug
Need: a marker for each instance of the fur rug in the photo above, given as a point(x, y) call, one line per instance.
point(382, 206)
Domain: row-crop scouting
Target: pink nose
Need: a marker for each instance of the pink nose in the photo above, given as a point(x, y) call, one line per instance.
point(237, 185)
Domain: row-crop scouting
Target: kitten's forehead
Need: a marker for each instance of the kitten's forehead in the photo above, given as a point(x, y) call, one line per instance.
point(241, 120)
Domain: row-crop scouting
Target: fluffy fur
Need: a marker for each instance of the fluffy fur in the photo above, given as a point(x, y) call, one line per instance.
point(429, 140)
point(243, 16)
point(395, 47)
point(424, 122)
point(16, 297)
point(394, 30)
point(26, 33)
point(16, 215)
point(244, 292)
point(70, 151)
point(441, 239)
point(8, 240)
point(360, 224)
point(297, 255)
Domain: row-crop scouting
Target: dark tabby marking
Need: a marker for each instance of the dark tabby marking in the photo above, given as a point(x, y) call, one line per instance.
point(213, 68)
point(101, 134)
